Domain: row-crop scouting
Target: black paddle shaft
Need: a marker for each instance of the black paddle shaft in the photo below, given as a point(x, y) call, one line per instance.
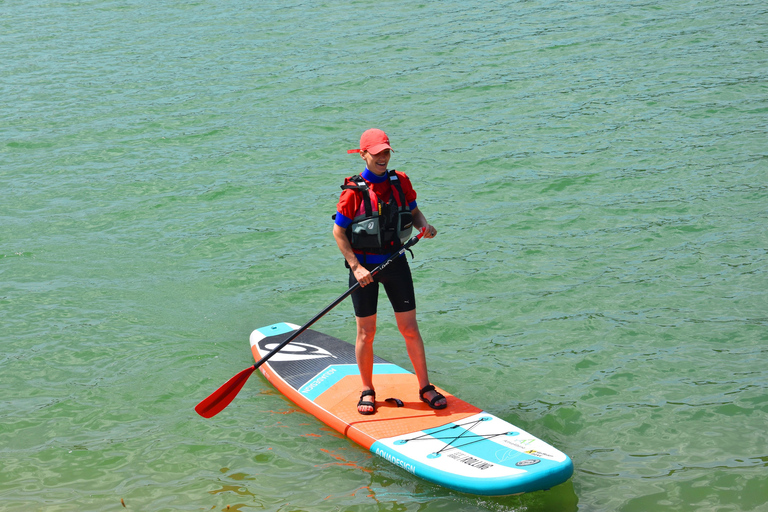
point(410, 243)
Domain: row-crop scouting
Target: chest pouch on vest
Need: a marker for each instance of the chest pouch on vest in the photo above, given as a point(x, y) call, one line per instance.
point(405, 225)
point(365, 234)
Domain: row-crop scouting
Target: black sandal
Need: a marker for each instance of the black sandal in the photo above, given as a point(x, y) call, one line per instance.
point(367, 403)
point(436, 398)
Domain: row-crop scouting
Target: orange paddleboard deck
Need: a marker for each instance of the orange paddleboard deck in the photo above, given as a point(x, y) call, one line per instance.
point(460, 447)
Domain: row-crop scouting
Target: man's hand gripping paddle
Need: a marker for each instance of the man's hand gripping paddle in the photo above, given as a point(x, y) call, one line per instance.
point(222, 397)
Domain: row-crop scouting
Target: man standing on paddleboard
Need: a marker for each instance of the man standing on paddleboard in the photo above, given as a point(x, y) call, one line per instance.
point(375, 215)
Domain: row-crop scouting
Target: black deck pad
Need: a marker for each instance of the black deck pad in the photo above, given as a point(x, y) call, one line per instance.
point(306, 356)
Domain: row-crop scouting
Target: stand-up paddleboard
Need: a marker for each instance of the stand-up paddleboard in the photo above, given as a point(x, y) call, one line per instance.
point(460, 447)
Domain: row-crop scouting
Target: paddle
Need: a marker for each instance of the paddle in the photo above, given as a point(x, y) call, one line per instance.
point(222, 397)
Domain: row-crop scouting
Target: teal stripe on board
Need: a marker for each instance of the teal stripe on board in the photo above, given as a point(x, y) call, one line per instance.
point(335, 372)
point(275, 329)
point(596, 172)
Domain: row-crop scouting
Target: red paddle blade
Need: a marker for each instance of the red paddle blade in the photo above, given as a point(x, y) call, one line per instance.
point(221, 398)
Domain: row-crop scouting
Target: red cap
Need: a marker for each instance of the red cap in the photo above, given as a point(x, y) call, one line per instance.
point(373, 141)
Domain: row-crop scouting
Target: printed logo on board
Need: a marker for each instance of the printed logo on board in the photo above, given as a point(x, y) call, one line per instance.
point(528, 462)
point(312, 385)
point(540, 454)
point(397, 462)
point(471, 461)
point(297, 352)
point(524, 445)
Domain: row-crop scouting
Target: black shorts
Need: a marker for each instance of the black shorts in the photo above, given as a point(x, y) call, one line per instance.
point(398, 284)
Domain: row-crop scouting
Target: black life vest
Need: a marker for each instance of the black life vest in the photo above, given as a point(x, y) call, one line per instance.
point(379, 227)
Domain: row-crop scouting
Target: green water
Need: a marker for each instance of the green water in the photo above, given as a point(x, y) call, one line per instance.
point(596, 170)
